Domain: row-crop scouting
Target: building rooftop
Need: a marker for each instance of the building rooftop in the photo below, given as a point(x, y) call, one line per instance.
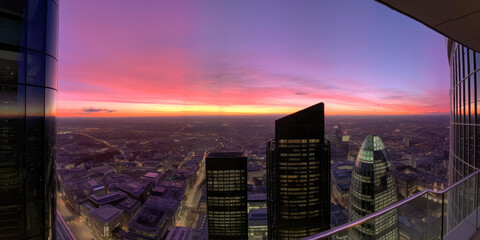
point(107, 198)
point(129, 205)
point(106, 213)
point(179, 233)
point(149, 219)
point(133, 188)
point(166, 204)
point(151, 174)
point(226, 154)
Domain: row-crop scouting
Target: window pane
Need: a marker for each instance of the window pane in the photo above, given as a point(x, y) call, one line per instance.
point(52, 28)
point(50, 134)
point(51, 72)
point(12, 22)
point(36, 25)
point(477, 59)
point(35, 160)
point(12, 137)
point(12, 67)
point(35, 68)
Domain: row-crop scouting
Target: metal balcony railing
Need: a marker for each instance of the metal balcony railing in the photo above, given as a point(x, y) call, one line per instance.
point(451, 213)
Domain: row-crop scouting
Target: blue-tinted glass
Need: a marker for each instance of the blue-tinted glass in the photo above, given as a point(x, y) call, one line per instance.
point(35, 68)
point(12, 139)
point(477, 60)
point(50, 134)
point(35, 160)
point(471, 60)
point(12, 66)
point(465, 62)
point(52, 28)
point(36, 25)
point(12, 22)
point(51, 72)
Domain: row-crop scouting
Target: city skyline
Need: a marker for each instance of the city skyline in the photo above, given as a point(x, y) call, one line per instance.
point(218, 59)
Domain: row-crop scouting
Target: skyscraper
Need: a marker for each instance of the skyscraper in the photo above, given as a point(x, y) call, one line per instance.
point(298, 176)
point(372, 188)
point(28, 82)
point(227, 195)
point(464, 126)
point(458, 21)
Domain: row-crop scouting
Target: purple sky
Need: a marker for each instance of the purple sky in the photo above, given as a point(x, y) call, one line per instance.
point(141, 58)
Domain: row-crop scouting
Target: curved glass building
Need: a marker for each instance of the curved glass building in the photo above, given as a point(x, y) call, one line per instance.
point(28, 93)
point(372, 188)
point(464, 126)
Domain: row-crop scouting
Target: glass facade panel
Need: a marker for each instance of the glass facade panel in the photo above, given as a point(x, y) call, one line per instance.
point(12, 22)
point(464, 150)
point(36, 25)
point(12, 212)
point(12, 66)
point(27, 121)
point(35, 68)
point(52, 28)
point(35, 160)
point(51, 72)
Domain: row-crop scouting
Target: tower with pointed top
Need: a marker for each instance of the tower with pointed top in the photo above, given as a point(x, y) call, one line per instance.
point(372, 188)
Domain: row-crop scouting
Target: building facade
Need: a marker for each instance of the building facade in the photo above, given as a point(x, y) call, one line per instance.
point(227, 195)
point(464, 126)
point(28, 95)
point(372, 188)
point(298, 176)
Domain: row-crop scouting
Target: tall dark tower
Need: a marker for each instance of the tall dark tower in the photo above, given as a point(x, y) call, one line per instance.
point(227, 195)
point(298, 176)
point(28, 95)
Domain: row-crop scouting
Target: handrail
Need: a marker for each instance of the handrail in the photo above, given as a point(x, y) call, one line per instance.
point(382, 211)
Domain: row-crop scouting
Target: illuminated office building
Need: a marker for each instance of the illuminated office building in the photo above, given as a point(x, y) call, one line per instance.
point(28, 82)
point(298, 176)
point(227, 195)
point(372, 188)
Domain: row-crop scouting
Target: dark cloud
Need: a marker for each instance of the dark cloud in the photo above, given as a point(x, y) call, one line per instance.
point(95, 110)
point(301, 93)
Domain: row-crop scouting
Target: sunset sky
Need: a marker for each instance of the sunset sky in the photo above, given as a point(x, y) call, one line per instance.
point(151, 58)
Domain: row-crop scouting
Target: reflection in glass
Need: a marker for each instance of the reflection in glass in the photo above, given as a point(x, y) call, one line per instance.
point(52, 28)
point(12, 22)
point(36, 25)
point(35, 168)
point(35, 68)
point(51, 72)
point(12, 107)
point(12, 67)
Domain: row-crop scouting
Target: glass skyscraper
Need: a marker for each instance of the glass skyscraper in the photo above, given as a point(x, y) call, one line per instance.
point(227, 195)
point(464, 126)
point(28, 83)
point(298, 176)
point(372, 188)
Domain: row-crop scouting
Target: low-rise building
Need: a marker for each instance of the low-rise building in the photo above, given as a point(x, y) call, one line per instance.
point(149, 223)
point(130, 208)
point(257, 224)
point(104, 219)
point(179, 233)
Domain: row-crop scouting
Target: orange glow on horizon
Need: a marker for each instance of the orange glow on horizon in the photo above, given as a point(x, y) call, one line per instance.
point(151, 110)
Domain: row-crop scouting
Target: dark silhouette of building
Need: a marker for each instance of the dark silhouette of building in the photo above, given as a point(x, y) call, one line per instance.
point(28, 82)
point(227, 195)
point(298, 176)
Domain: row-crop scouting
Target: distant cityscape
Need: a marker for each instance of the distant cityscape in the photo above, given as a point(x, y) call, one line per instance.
point(141, 177)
